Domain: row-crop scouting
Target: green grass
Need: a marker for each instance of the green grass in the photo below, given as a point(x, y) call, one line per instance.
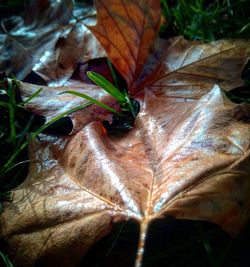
point(12, 134)
point(18, 128)
point(14, 125)
point(6, 260)
point(206, 20)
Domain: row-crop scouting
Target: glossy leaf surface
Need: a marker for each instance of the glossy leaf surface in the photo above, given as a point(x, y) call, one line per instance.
point(190, 160)
point(127, 30)
point(23, 42)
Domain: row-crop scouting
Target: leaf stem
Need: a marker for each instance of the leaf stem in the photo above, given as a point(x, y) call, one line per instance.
point(141, 243)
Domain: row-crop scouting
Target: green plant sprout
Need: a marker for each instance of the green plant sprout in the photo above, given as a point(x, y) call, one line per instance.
point(126, 105)
point(122, 98)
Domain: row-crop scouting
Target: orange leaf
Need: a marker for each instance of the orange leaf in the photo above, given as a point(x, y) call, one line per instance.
point(127, 31)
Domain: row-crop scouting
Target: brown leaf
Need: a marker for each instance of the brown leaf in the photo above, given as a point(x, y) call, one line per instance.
point(187, 159)
point(48, 43)
point(188, 74)
point(50, 103)
point(192, 68)
point(127, 31)
point(23, 43)
point(76, 46)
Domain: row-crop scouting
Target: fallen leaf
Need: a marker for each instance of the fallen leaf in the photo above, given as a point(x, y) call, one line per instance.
point(43, 40)
point(127, 31)
point(192, 65)
point(50, 104)
point(187, 75)
point(23, 42)
point(76, 46)
point(187, 155)
point(186, 159)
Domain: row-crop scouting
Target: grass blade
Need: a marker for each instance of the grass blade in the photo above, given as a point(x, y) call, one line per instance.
point(12, 108)
point(106, 85)
point(6, 260)
point(3, 104)
point(113, 73)
point(92, 100)
point(32, 96)
point(8, 164)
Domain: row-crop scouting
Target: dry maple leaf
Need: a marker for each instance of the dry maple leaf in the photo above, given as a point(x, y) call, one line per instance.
point(127, 30)
point(185, 157)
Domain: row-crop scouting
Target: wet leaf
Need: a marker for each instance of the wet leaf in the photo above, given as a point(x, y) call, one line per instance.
point(48, 42)
point(51, 103)
point(191, 68)
point(186, 159)
point(74, 47)
point(23, 42)
point(127, 31)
